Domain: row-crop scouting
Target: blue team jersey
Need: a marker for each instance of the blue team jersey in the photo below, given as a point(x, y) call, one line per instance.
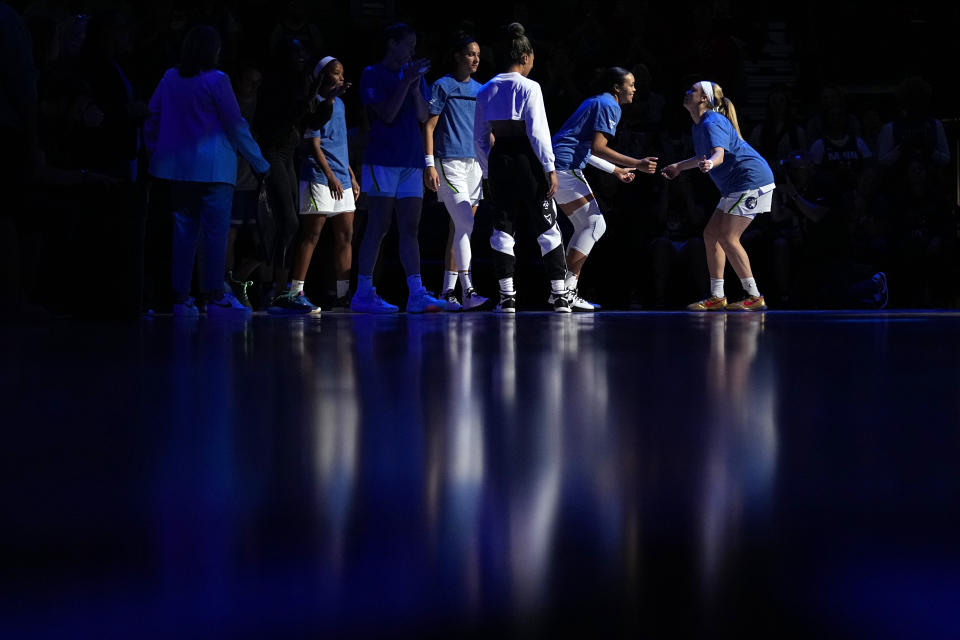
point(571, 144)
point(743, 168)
point(333, 140)
point(398, 144)
point(455, 102)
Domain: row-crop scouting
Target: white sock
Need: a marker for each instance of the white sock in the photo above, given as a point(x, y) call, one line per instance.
point(466, 281)
point(296, 287)
point(343, 288)
point(414, 284)
point(571, 280)
point(450, 281)
point(506, 286)
point(750, 286)
point(364, 283)
point(716, 287)
point(558, 286)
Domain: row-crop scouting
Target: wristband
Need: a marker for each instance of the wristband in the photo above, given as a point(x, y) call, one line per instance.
point(429, 161)
point(600, 163)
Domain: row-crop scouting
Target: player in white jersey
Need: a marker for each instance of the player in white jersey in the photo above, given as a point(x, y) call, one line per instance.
point(520, 169)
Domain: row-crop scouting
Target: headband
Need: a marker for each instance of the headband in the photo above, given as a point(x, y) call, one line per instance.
point(707, 87)
point(317, 70)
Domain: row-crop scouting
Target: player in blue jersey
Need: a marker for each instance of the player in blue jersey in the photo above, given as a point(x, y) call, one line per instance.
point(452, 169)
point(745, 181)
point(394, 93)
point(328, 190)
point(583, 140)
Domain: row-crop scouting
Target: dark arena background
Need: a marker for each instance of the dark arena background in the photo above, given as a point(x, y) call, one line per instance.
point(637, 472)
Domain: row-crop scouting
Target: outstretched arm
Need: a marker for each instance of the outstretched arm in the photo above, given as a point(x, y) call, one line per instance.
point(601, 150)
point(671, 171)
point(715, 160)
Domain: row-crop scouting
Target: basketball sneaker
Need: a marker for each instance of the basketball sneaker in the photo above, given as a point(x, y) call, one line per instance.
point(420, 301)
point(288, 304)
point(473, 300)
point(239, 289)
point(227, 306)
point(370, 302)
point(186, 309)
point(576, 302)
point(450, 302)
point(750, 303)
point(562, 303)
point(507, 304)
point(709, 304)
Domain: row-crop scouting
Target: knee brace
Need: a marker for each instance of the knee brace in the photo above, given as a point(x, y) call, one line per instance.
point(501, 241)
point(588, 227)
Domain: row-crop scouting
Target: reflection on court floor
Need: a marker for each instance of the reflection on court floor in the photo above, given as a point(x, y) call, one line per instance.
point(642, 474)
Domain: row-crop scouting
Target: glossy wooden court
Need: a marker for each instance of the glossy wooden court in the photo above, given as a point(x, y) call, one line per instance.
point(642, 475)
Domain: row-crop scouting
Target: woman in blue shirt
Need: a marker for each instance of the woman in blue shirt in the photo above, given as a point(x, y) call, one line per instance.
point(392, 92)
point(328, 190)
point(582, 140)
point(746, 182)
point(194, 133)
point(448, 142)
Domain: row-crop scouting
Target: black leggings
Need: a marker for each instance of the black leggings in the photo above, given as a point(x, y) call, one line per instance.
point(283, 189)
point(518, 187)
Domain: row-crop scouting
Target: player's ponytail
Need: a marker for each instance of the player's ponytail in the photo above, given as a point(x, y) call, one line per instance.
point(724, 106)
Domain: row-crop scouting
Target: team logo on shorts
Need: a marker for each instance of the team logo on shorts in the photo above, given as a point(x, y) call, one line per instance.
point(750, 203)
point(548, 211)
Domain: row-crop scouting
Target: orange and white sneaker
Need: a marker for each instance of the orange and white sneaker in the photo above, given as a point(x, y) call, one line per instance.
point(709, 304)
point(750, 303)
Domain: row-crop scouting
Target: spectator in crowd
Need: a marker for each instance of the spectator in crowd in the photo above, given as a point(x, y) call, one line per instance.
point(832, 96)
point(925, 233)
point(871, 223)
point(778, 134)
point(913, 134)
point(821, 268)
point(840, 155)
point(796, 204)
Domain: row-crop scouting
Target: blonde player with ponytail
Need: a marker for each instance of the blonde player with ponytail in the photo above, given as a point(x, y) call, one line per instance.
point(746, 182)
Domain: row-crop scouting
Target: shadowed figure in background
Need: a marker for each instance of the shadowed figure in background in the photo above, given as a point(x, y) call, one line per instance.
point(194, 133)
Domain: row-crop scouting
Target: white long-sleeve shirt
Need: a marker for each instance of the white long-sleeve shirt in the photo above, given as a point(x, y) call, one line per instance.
point(511, 96)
